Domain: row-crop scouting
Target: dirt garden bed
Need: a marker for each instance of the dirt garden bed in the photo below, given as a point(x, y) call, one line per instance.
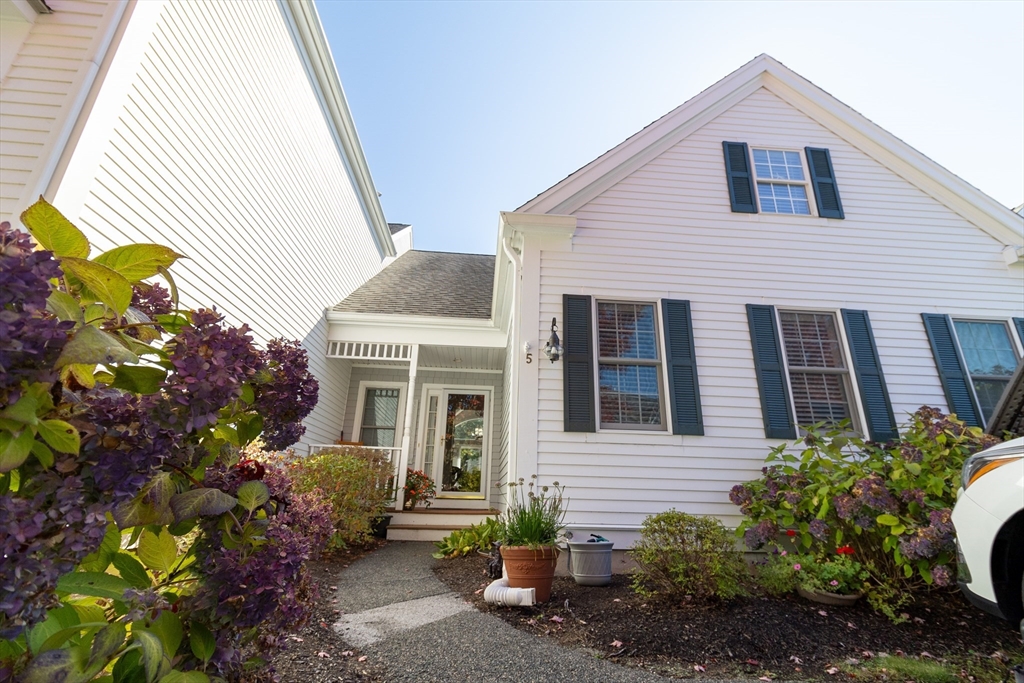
point(755, 637)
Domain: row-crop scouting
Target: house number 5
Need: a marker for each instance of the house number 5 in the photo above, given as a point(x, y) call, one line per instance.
point(529, 358)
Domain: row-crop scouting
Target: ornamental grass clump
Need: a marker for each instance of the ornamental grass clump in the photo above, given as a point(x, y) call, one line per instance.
point(680, 555)
point(891, 502)
point(535, 515)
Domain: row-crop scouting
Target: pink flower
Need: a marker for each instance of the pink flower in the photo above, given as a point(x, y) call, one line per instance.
point(783, 553)
point(796, 567)
point(833, 582)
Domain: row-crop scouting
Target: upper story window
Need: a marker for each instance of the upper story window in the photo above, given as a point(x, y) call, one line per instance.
point(782, 178)
point(781, 182)
point(990, 358)
point(819, 376)
point(629, 367)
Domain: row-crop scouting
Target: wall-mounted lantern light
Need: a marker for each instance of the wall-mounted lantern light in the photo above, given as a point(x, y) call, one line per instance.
point(553, 348)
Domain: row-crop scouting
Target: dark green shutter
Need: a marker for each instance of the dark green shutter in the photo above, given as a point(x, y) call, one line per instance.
point(578, 364)
point(952, 370)
point(683, 388)
point(771, 373)
point(1019, 324)
point(823, 178)
point(877, 408)
point(741, 180)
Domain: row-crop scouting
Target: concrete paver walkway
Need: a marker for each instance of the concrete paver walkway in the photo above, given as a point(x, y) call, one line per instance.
point(398, 612)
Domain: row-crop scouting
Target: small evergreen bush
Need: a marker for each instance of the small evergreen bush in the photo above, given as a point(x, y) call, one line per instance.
point(680, 554)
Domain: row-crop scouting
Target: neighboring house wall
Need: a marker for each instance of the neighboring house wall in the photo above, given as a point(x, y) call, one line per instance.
point(212, 133)
point(667, 231)
point(454, 378)
point(48, 65)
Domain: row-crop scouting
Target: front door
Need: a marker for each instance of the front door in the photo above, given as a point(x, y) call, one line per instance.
point(456, 444)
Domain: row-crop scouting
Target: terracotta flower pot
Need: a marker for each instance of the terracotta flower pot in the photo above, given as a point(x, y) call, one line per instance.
point(531, 568)
point(829, 598)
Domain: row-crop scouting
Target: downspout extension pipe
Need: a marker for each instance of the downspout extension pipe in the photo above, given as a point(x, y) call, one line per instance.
point(499, 593)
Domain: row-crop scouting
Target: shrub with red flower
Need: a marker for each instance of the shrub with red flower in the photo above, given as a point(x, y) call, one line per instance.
point(419, 488)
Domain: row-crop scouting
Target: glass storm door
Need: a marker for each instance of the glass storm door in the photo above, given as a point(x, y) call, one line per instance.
point(458, 450)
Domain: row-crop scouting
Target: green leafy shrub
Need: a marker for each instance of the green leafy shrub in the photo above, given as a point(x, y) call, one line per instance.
point(839, 573)
point(464, 541)
point(533, 518)
point(680, 554)
point(889, 504)
point(354, 481)
point(136, 544)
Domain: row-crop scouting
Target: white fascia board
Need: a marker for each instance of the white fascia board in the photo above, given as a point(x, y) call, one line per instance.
point(410, 329)
point(958, 195)
point(311, 33)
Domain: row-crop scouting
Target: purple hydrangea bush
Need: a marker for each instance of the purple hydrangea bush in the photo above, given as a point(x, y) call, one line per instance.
point(123, 499)
point(887, 503)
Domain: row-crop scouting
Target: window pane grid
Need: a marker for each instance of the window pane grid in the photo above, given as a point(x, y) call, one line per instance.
point(380, 417)
point(772, 164)
point(629, 392)
point(990, 358)
point(780, 198)
point(818, 376)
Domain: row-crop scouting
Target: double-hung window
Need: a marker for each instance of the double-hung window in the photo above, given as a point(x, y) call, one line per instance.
point(990, 358)
point(379, 420)
point(819, 376)
point(628, 366)
point(781, 182)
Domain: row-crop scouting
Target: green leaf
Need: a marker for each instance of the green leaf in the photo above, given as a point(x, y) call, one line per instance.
point(152, 505)
point(138, 261)
point(43, 454)
point(60, 436)
point(201, 502)
point(152, 652)
point(53, 231)
point(56, 620)
point(106, 284)
point(139, 379)
point(172, 322)
point(107, 642)
point(202, 641)
point(23, 410)
point(92, 346)
point(65, 306)
point(167, 627)
point(131, 570)
point(897, 530)
point(53, 665)
point(95, 584)
point(253, 494)
point(887, 520)
point(99, 560)
point(185, 677)
point(248, 394)
point(14, 450)
point(250, 429)
point(128, 668)
point(159, 552)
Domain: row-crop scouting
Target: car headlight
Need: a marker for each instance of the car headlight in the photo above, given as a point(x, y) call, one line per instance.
point(982, 463)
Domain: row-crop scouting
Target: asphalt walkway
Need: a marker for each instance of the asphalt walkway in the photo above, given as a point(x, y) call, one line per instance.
point(395, 610)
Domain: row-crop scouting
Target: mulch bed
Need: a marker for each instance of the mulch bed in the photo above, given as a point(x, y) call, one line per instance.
point(315, 653)
point(751, 637)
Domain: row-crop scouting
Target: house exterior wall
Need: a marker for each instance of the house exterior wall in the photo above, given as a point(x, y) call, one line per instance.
point(667, 231)
point(361, 374)
point(212, 134)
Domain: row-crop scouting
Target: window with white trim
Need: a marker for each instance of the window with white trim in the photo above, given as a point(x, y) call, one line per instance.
point(781, 182)
point(819, 375)
point(379, 422)
point(990, 357)
point(628, 366)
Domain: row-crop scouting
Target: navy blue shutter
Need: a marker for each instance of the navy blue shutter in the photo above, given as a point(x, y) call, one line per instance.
point(952, 370)
point(683, 388)
point(823, 178)
point(578, 364)
point(1019, 324)
point(771, 373)
point(741, 180)
point(877, 408)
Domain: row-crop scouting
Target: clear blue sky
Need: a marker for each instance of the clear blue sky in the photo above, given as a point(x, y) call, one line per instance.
point(466, 109)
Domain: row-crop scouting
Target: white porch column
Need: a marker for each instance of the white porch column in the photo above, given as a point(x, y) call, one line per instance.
point(403, 457)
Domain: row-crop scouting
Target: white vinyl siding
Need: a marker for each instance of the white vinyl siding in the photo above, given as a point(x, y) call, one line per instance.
point(667, 231)
point(222, 150)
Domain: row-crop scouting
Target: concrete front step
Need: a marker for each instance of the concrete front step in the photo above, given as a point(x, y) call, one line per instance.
point(433, 524)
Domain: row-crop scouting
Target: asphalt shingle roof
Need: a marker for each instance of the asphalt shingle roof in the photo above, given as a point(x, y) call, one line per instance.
point(429, 283)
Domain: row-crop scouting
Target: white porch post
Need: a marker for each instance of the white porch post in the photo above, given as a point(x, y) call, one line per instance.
point(403, 456)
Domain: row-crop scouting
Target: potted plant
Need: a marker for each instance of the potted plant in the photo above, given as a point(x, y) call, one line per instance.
point(530, 528)
point(419, 488)
point(831, 580)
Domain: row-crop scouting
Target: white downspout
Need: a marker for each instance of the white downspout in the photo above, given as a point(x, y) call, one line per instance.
point(403, 456)
point(513, 415)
